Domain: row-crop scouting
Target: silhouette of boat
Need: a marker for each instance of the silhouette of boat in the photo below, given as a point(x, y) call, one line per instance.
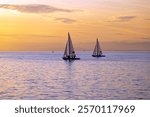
point(97, 50)
point(69, 53)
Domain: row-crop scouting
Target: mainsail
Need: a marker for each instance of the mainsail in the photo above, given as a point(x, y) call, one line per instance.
point(97, 50)
point(69, 50)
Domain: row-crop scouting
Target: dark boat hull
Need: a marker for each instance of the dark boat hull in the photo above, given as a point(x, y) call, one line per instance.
point(70, 58)
point(98, 55)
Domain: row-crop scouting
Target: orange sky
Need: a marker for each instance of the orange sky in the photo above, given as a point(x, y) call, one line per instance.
point(42, 25)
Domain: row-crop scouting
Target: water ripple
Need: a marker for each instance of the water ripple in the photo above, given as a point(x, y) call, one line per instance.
point(38, 75)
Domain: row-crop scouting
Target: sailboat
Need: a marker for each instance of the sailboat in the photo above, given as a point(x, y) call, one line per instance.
point(69, 53)
point(97, 50)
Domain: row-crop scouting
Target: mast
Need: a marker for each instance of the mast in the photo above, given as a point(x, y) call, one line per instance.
point(69, 42)
point(97, 47)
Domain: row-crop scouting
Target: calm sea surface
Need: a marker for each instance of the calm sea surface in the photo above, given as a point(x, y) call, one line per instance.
point(44, 75)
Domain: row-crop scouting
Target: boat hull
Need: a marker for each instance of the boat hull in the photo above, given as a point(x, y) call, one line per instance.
point(98, 55)
point(70, 58)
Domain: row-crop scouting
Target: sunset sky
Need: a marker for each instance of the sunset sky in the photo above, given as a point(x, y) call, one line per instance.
point(42, 25)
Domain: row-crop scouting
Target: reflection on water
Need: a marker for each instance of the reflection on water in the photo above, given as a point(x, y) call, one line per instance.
point(44, 75)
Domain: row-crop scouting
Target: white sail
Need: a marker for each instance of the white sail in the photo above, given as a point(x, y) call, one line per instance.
point(97, 50)
point(69, 50)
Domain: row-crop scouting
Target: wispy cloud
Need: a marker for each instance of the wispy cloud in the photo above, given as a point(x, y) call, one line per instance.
point(34, 8)
point(125, 18)
point(122, 19)
point(65, 20)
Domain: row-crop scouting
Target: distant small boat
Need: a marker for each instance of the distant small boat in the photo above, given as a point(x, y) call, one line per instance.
point(69, 53)
point(97, 50)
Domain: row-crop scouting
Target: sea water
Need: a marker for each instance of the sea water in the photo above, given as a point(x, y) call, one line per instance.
point(45, 75)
